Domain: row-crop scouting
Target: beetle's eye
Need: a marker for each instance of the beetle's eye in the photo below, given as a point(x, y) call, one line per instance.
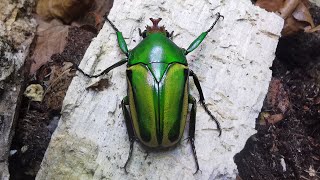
point(144, 34)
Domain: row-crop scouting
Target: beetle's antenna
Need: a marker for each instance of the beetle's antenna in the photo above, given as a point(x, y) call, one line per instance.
point(215, 22)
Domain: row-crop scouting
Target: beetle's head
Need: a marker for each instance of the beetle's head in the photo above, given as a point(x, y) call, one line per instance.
point(154, 29)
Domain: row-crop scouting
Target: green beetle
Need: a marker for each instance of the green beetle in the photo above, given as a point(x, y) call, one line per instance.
point(158, 89)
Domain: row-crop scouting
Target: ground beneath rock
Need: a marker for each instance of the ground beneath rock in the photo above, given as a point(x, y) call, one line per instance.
point(37, 121)
point(289, 149)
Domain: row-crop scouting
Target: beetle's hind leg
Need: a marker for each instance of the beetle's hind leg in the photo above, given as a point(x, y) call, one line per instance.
point(202, 101)
point(129, 126)
point(192, 128)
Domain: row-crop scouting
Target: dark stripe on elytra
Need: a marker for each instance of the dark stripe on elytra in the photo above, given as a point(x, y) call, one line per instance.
point(144, 133)
point(175, 130)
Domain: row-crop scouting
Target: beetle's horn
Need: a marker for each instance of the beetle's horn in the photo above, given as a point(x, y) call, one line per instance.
point(155, 26)
point(155, 22)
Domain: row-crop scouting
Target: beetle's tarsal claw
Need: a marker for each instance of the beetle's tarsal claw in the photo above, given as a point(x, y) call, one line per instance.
point(146, 156)
point(188, 139)
point(125, 168)
point(198, 170)
point(212, 117)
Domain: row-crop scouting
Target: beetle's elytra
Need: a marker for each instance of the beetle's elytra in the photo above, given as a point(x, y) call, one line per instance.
point(158, 89)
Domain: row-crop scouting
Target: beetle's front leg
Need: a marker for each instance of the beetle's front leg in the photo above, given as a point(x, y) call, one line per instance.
point(117, 64)
point(129, 126)
point(75, 66)
point(122, 43)
point(192, 128)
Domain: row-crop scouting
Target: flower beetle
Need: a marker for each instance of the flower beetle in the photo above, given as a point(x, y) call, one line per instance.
point(158, 89)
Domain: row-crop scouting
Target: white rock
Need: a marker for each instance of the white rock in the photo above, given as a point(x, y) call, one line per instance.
point(232, 64)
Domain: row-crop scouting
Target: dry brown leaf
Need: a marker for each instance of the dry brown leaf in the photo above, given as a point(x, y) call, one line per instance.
point(302, 14)
point(103, 7)
point(51, 39)
point(288, 8)
point(65, 10)
point(295, 12)
point(292, 26)
point(275, 118)
point(306, 3)
point(277, 98)
point(59, 81)
point(95, 16)
point(308, 29)
point(270, 5)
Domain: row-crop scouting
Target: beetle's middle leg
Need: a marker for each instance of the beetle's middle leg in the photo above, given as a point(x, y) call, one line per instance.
point(202, 101)
point(129, 126)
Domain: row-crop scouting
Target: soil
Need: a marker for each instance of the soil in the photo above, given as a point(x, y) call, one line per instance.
point(289, 149)
point(37, 121)
point(287, 143)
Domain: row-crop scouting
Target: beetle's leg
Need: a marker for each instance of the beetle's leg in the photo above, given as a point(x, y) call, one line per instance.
point(202, 101)
point(170, 35)
point(123, 61)
point(199, 39)
point(122, 43)
point(192, 128)
point(142, 34)
point(129, 126)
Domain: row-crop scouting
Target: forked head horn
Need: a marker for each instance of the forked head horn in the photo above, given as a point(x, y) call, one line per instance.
point(155, 27)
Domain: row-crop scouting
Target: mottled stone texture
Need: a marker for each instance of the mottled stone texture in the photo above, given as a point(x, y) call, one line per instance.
point(17, 30)
point(233, 67)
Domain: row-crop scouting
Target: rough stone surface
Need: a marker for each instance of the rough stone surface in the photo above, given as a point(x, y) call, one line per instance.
point(232, 64)
point(17, 30)
point(16, 34)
